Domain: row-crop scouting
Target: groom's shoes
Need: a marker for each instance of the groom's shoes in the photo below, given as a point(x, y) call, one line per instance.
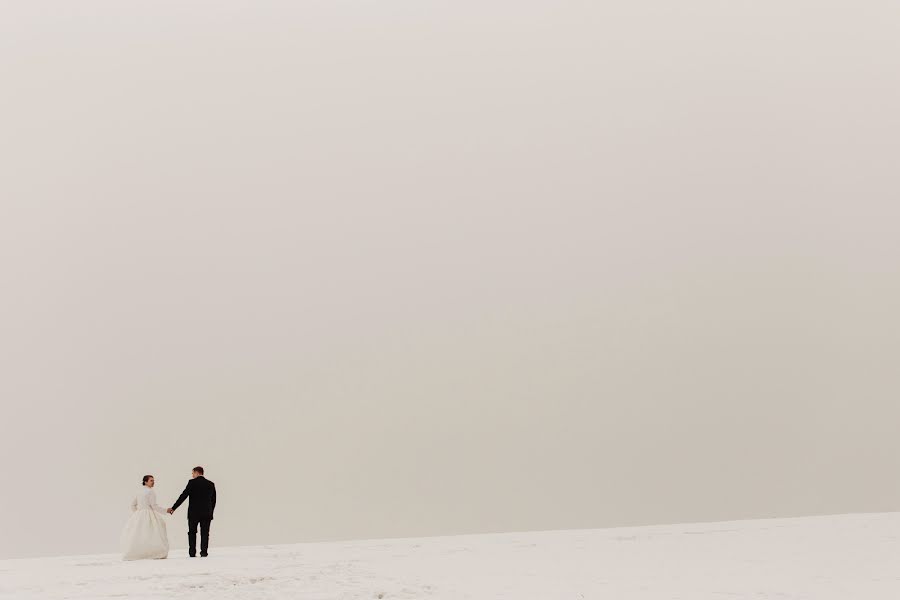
point(203, 555)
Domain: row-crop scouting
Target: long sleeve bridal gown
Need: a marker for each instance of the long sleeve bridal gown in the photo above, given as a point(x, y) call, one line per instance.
point(145, 535)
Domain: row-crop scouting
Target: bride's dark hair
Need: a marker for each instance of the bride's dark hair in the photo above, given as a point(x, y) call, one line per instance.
point(146, 477)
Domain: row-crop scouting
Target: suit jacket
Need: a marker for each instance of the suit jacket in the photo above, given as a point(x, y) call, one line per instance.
point(202, 494)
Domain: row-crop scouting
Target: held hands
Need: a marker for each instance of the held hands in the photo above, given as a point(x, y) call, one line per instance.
point(170, 510)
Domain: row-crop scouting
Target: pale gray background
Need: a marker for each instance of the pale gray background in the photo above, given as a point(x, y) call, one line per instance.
point(411, 268)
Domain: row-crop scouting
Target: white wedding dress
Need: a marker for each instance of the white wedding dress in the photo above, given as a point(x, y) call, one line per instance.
point(145, 534)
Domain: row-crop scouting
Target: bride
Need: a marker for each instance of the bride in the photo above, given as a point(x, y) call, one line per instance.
point(145, 535)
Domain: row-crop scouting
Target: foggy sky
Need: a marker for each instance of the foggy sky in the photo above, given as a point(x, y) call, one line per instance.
point(391, 269)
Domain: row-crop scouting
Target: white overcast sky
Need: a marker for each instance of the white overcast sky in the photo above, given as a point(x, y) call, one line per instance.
point(414, 268)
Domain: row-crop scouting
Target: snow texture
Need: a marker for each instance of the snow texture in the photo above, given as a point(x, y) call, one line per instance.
point(843, 557)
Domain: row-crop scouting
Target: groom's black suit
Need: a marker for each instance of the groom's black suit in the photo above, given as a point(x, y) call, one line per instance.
point(202, 494)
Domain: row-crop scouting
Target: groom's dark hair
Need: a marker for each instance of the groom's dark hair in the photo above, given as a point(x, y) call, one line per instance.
point(199, 470)
point(146, 478)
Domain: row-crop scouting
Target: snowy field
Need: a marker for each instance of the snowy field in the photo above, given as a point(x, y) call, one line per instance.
point(846, 557)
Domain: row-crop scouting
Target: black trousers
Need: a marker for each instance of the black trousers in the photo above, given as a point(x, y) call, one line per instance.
point(204, 523)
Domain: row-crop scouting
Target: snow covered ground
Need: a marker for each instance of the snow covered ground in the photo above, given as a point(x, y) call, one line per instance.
point(844, 557)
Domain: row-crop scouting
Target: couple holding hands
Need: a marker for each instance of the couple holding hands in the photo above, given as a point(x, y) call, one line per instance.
point(145, 534)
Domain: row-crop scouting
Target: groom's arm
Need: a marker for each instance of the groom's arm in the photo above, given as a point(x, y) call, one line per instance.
point(213, 499)
point(182, 497)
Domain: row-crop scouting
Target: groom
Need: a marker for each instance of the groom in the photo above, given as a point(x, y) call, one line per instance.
point(202, 493)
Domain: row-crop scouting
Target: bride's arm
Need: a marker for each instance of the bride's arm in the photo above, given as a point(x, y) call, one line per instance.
point(134, 504)
point(153, 504)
